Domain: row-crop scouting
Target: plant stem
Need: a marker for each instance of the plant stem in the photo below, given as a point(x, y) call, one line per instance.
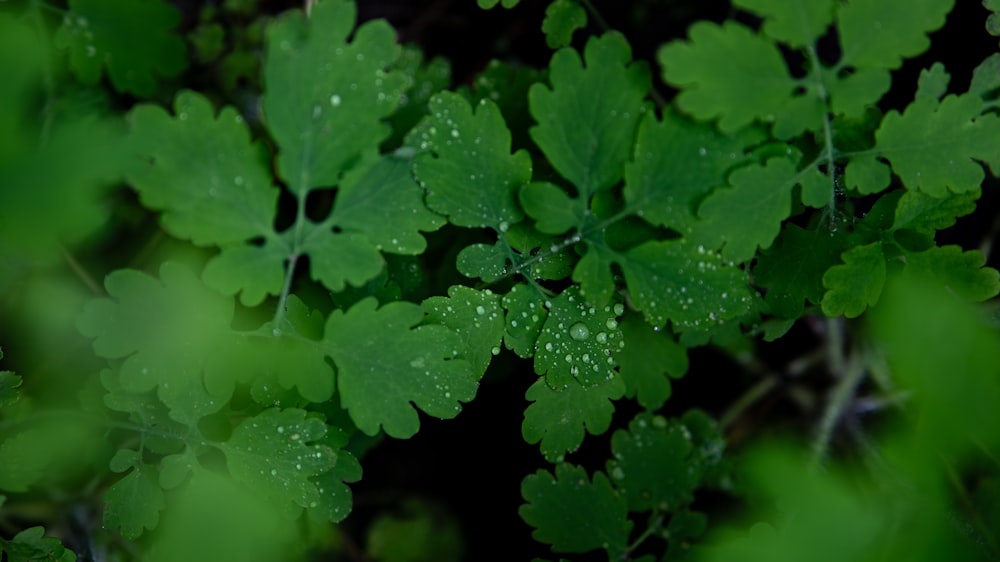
point(80, 272)
point(279, 314)
point(840, 398)
point(655, 524)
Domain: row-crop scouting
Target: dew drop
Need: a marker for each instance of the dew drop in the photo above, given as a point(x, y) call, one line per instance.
point(480, 310)
point(619, 309)
point(495, 350)
point(612, 324)
point(579, 331)
point(335, 100)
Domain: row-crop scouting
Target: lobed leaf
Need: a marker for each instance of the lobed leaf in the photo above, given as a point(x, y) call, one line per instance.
point(646, 362)
point(133, 504)
point(380, 389)
point(149, 324)
point(573, 513)
point(326, 96)
point(476, 317)
point(689, 286)
point(857, 283)
point(31, 544)
point(274, 453)
point(799, 24)
point(727, 72)
point(526, 313)
point(132, 39)
point(468, 170)
point(588, 117)
point(557, 418)
point(880, 33)
point(932, 145)
point(653, 464)
point(562, 18)
point(747, 215)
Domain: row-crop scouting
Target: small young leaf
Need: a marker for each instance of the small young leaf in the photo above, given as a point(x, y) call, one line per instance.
point(31, 544)
point(380, 389)
point(587, 119)
point(562, 18)
point(484, 261)
point(9, 384)
point(557, 418)
point(924, 213)
point(575, 514)
point(857, 283)
point(132, 38)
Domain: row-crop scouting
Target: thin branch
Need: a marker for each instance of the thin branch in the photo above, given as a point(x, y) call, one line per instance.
point(840, 400)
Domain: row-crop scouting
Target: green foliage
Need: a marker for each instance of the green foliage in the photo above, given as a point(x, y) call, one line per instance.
point(331, 243)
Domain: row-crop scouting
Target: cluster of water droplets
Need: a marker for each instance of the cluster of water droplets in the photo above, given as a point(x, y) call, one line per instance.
point(79, 28)
point(579, 340)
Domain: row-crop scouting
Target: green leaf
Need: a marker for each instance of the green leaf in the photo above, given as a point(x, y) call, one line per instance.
point(202, 170)
point(134, 502)
point(468, 169)
point(578, 341)
point(799, 24)
point(9, 384)
point(273, 453)
point(573, 513)
point(383, 203)
point(380, 389)
point(880, 33)
point(748, 214)
point(131, 38)
point(689, 286)
point(557, 418)
point(648, 358)
point(962, 273)
point(924, 213)
point(151, 325)
point(857, 283)
point(588, 117)
point(526, 313)
point(484, 261)
point(476, 317)
point(653, 465)
point(554, 211)
point(677, 162)
point(727, 72)
point(933, 82)
point(986, 76)
point(932, 146)
point(792, 269)
point(325, 97)
point(31, 544)
point(562, 18)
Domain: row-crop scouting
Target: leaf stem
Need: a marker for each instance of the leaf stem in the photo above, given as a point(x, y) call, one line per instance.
point(840, 399)
point(80, 272)
point(279, 314)
point(601, 22)
point(655, 524)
